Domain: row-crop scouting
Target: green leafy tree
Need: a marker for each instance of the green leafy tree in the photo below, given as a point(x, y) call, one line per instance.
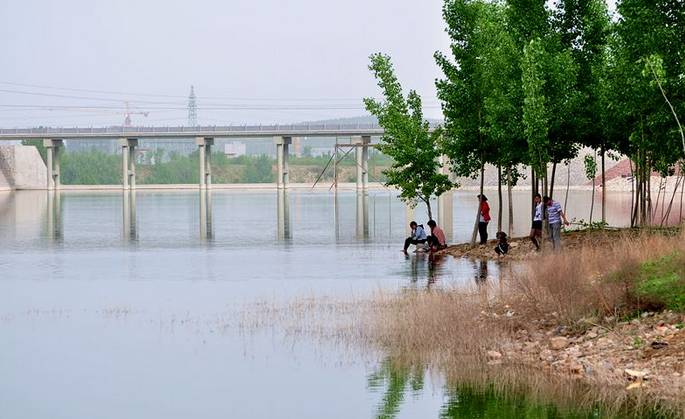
point(535, 112)
point(583, 27)
point(648, 134)
point(407, 139)
point(474, 122)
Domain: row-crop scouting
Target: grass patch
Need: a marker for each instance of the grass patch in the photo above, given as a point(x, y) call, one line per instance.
point(662, 281)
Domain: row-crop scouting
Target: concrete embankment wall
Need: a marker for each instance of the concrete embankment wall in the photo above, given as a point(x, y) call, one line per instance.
point(21, 167)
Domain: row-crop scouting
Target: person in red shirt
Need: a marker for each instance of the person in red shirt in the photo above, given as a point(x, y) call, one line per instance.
point(437, 239)
point(483, 218)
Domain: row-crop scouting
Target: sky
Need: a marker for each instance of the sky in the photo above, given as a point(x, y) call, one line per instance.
point(77, 62)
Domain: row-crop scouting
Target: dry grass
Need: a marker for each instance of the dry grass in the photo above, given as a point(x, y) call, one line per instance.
point(586, 285)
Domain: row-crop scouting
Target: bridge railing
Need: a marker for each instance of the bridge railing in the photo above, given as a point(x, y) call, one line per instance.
point(182, 128)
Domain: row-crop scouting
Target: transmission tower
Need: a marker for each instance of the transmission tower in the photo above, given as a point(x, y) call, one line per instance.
point(192, 108)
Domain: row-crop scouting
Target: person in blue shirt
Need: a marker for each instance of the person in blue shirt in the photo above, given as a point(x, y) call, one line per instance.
point(418, 236)
point(554, 216)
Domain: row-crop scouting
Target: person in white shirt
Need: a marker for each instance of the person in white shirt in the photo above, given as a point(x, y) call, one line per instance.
point(536, 228)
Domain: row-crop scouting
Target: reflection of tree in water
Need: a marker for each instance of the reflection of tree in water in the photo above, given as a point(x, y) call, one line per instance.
point(470, 403)
point(398, 379)
point(434, 267)
point(425, 264)
point(415, 260)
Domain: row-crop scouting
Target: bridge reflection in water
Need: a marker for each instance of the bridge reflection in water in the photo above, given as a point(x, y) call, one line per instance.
point(365, 214)
point(129, 216)
point(54, 217)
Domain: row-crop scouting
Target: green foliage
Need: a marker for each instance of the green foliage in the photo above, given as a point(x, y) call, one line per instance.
point(662, 281)
point(535, 112)
point(259, 170)
point(408, 139)
point(591, 225)
point(470, 138)
point(90, 168)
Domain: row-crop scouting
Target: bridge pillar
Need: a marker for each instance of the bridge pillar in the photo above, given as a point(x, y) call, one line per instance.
point(282, 169)
point(53, 148)
point(128, 162)
point(205, 148)
point(361, 144)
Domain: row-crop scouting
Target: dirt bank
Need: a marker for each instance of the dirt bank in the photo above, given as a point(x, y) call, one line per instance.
point(644, 354)
point(522, 248)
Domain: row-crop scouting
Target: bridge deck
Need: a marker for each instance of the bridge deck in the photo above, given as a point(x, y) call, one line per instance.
point(246, 131)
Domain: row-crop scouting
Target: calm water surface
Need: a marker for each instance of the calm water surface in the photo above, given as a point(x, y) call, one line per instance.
point(110, 302)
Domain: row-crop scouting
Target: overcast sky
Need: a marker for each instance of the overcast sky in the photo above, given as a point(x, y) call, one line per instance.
point(263, 55)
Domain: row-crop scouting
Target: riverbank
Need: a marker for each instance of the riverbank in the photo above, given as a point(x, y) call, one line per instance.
point(600, 327)
point(522, 248)
point(608, 312)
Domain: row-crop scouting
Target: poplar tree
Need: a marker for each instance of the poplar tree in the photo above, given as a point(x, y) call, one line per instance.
point(407, 138)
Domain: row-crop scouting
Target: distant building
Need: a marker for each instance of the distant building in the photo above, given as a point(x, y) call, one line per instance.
point(321, 151)
point(235, 149)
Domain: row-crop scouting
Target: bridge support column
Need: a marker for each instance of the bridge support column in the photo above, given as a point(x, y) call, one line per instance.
point(362, 157)
point(128, 162)
point(282, 169)
point(53, 163)
point(205, 148)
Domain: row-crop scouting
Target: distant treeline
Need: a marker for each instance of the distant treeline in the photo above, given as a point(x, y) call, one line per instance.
point(95, 167)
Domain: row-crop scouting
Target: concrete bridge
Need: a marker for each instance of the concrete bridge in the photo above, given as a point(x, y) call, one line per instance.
point(204, 136)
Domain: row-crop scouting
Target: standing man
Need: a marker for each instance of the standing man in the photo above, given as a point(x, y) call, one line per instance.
point(536, 228)
point(418, 236)
point(555, 214)
point(484, 218)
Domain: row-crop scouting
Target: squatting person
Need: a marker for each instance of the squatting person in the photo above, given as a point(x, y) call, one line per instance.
point(418, 236)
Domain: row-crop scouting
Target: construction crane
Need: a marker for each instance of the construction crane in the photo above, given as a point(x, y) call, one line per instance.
point(128, 112)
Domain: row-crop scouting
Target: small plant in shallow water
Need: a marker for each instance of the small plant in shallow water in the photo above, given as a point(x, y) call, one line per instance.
point(591, 225)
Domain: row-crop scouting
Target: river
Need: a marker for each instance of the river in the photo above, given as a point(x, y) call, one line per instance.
point(112, 304)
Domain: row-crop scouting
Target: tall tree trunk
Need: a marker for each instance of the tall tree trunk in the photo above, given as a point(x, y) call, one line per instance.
point(592, 201)
point(568, 184)
point(664, 218)
point(551, 184)
point(643, 201)
point(499, 196)
point(511, 203)
point(632, 193)
point(604, 188)
point(594, 186)
point(428, 207)
point(682, 188)
point(649, 195)
point(533, 191)
point(475, 226)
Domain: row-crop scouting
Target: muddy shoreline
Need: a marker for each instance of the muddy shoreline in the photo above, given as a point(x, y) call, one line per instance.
point(521, 248)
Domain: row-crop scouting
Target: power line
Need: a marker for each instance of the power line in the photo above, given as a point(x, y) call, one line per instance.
point(131, 94)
